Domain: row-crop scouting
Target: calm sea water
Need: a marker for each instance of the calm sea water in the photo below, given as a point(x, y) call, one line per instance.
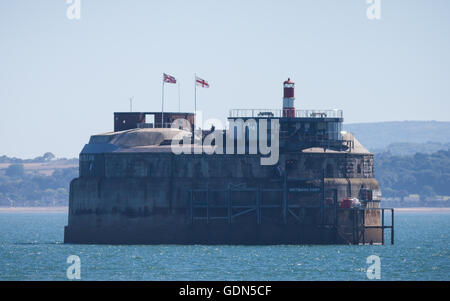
point(32, 249)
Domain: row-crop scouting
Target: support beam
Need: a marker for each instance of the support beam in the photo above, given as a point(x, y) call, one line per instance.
point(207, 204)
point(244, 212)
point(294, 215)
point(230, 208)
point(191, 199)
point(364, 227)
point(335, 203)
point(322, 198)
point(284, 201)
point(258, 205)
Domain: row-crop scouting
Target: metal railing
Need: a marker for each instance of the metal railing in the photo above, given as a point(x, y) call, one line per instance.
point(359, 229)
point(255, 113)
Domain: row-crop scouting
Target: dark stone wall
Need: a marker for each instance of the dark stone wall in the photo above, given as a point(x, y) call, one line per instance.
point(162, 165)
point(144, 197)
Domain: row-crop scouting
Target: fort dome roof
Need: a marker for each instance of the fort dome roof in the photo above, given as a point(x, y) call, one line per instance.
point(117, 141)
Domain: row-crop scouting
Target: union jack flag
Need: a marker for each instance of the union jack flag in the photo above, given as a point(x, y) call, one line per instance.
point(201, 82)
point(169, 79)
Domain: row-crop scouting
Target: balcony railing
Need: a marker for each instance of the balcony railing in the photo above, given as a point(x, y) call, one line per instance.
point(255, 113)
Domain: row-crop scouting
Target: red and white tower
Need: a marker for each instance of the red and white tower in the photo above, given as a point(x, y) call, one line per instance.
point(288, 99)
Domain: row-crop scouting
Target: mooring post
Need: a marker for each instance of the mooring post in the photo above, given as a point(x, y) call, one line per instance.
point(355, 235)
point(364, 226)
point(392, 225)
point(357, 228)
point(382, 226)
point(353, 224)
point(336, 214)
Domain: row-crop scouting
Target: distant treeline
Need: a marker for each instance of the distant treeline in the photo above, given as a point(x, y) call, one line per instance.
point(410, 148)
point(411, 157)
point(21, 187)
point(378, 135)
point(40, 159)
point(37, 190)
point(425, 174)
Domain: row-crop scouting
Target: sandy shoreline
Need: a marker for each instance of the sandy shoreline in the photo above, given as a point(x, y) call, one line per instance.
point(66, 209)
point(423, 209)
point(34, 209)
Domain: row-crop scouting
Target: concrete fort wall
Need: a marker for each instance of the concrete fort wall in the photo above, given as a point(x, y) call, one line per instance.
point(166, 164)
point(144, 197)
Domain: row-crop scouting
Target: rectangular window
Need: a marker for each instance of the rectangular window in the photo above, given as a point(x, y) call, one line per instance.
point(150, 119)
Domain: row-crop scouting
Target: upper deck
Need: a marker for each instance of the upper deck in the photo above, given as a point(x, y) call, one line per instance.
point(301, 129)
point(277, 113)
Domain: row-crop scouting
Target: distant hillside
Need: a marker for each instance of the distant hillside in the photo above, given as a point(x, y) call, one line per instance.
point(378, 135)
point(35, 184)
point(424, 174)
point(410, 148)
point(42, 181)
point(45, 158)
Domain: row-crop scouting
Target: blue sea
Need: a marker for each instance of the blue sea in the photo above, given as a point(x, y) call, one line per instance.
point(32, 248)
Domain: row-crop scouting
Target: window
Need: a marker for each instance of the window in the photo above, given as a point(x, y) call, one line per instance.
point(150, 118)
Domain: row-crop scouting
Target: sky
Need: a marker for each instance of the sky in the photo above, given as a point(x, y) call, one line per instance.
point(61, 79)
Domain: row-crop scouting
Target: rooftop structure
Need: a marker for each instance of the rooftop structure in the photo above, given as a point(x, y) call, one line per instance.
point(300, 129)
point(132, 120)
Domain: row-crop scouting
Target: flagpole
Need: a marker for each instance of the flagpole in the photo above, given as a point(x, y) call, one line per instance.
point(162, 106)
point(195, 94)
point(179, 101)
point(195, 108)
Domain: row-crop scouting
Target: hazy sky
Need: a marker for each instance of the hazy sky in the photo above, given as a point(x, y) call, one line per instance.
point(61, 80)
